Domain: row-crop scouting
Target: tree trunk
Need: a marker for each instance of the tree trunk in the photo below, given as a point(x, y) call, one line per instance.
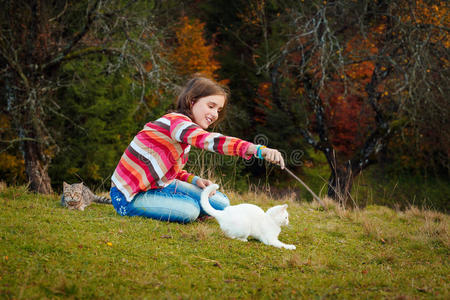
point(340, 184)
point(36, 168)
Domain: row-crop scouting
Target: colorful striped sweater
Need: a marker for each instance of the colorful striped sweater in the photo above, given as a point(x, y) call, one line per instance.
point(157, 154)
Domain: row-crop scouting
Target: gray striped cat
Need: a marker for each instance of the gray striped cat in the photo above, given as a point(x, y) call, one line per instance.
point(78, 196)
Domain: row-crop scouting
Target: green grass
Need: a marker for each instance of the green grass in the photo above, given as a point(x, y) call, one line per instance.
point(377, 186)
point(47, 251)
point(402, 190)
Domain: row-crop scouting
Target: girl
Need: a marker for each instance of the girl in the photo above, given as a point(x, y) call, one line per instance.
point(149, 180)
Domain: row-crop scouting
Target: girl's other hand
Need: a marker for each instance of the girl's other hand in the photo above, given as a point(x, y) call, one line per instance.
point(202, 183)
point(273, 156)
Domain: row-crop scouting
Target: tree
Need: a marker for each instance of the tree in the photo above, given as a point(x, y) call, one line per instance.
point(246, 37)
point(191, 53)
point(103, 121)
point(362, 72)
point(380, 52)
point(39, 37)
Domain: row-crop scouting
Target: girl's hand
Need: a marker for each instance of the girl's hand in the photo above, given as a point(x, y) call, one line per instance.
point(273, 156)
point(202, 183)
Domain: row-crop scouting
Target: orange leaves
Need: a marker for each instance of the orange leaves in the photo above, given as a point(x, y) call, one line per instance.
point(192, 54)
point(380, 29)
point(427, 13)
point(264, 94)
point(264, 101)
point(148, 66)
point(348, 116)
point(253, 14)
point(361, 71)
point(435, 14)
point(360, 46)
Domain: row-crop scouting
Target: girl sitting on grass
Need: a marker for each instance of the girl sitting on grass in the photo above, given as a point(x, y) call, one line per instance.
point(149, 180)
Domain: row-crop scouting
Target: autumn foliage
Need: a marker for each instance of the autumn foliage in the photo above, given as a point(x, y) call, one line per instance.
point(433, 13)
point(12, 165)
point(352, 79)
point(348, 114)
point(263, 101)
point(192, 54)
point(349, 117)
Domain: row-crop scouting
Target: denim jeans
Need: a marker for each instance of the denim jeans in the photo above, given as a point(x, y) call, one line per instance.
point(178, 202)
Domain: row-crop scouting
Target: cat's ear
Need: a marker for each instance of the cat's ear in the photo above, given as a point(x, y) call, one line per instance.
point(276, 210)
point(65, 184)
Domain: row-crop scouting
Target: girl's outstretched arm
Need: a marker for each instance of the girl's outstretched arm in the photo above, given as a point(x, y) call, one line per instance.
point(183, 130)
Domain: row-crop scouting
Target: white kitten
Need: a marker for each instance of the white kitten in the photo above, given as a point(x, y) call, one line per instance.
point(244, 220)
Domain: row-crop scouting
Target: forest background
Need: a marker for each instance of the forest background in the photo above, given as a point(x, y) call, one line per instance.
point(354, 93)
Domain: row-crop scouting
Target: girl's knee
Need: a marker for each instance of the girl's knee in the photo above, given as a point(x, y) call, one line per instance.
point(185, 214)
point(166, 207)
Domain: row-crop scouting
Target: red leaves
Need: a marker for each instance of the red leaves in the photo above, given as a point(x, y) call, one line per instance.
point(348, 118)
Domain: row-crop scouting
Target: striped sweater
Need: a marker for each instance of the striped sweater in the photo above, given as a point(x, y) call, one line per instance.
point(157, 154)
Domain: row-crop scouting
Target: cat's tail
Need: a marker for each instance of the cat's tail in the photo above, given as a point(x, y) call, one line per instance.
point(204, 200)
point(101, 199)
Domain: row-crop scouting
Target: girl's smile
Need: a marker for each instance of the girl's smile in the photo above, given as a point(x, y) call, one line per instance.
point(205, 111)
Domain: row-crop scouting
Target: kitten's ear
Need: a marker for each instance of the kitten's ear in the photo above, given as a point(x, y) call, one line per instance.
point(65, 184)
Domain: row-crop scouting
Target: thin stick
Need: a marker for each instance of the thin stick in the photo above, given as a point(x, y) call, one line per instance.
point(216, 263)
point(307, 187)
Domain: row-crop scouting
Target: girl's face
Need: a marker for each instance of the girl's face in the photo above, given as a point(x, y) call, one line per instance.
point(206, 110)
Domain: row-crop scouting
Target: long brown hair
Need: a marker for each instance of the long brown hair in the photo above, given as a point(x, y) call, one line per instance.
point(199, 87)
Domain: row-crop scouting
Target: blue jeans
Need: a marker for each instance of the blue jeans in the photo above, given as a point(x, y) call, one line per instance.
point(178, 202)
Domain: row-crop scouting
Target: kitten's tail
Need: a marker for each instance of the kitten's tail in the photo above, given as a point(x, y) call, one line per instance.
point(204, 200)
point(100, 199)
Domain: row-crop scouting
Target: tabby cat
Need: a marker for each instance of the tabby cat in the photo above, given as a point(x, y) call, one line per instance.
point(78, 196)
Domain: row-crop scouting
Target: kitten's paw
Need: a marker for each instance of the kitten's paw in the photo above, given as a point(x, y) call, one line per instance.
point(290, 247)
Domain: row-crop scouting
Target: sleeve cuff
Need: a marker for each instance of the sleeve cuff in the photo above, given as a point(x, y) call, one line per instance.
point(192, 179)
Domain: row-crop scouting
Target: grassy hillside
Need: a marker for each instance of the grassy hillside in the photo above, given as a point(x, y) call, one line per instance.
point(378, 186)
point(47, 251)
